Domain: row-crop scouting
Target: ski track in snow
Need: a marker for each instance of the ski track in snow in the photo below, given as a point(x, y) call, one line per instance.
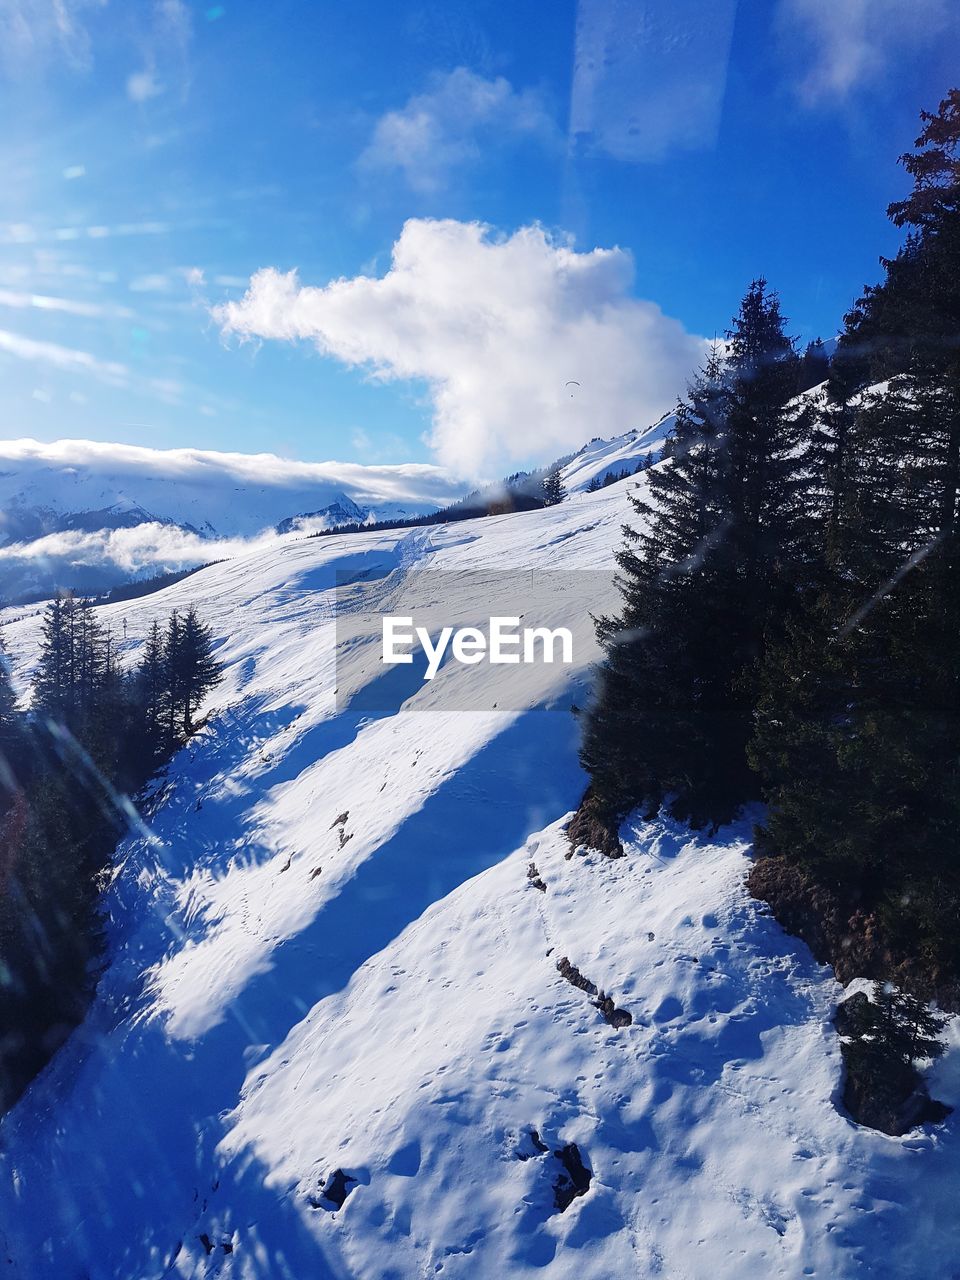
point(291, 992)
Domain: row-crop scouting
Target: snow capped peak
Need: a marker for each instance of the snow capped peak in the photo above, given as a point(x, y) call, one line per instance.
point(600, 458)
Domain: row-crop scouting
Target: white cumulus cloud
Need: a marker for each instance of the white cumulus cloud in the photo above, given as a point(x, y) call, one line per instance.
point(446, 127)
point(496, 326)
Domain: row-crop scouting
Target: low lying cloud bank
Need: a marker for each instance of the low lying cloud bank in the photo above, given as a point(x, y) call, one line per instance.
point(528, 347)
point(92, 563)
point(216, 472)
point(85, 515)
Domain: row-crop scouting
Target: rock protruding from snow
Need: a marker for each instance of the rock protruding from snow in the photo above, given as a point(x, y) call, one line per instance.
point(574, 1177)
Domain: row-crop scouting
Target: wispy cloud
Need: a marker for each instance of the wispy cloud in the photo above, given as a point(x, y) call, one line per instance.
point(33, 31)
point(37, 32)
point(143, 85)
point(69, 306)
point(30, 233)
point(446, 127)
point(495, 325)
point(218, 474)
point(166, 44)
point(840, 46)
point(135, 552)
point(68, 358)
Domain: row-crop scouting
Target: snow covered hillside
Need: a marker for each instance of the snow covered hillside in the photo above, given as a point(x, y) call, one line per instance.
point(86, 516)
point(333, 1039)
point(600, 458)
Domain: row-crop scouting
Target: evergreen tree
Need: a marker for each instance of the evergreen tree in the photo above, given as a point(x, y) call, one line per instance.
point(553, 489)
point(174, 693)
point(8, 699)
point(153, 692)
point(53, 681)
point(96, 731)
point(194, 669)
point(711, 574)
point(10, 732)
point(814, 366)
point(892, 1025)
point(860, 708)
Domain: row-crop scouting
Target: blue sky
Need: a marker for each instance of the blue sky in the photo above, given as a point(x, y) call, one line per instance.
point(157, 155)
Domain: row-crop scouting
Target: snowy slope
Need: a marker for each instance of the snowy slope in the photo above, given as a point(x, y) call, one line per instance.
point(326, 954)
point(600, 458)
point(86, 516)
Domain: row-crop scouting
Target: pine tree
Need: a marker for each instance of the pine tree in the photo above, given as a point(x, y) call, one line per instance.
point(153, 692)
point(63, 821)
point(709, 577)
point(53, 680)
point(174, 694)
point(814, 366)
point(895, 1023)
point(860, 708)
point(194, 669)
point(8, 699)
point(553, 488)
point(10, 733)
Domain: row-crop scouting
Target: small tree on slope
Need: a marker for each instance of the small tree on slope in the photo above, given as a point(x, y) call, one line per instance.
point(553, 489)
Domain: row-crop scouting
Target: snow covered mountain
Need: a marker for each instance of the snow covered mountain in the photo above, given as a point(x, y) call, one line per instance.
point(601, 458)
point(350, 1023)
point(85, 485)
point(86, 515)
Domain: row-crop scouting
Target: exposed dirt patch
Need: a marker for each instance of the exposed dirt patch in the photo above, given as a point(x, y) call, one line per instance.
point(334, 1192)
point(575, 977)
point(595, 826)
point(844, 934)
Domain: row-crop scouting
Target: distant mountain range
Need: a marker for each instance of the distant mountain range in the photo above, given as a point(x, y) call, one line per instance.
point(87, 516)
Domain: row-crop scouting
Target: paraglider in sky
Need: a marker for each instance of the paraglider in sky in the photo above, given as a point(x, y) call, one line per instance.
point(571, 383)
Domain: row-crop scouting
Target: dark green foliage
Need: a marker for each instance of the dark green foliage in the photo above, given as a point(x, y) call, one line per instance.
point(553, 490)
point(883, 1038)
point(8, 701)
point(814, 366)
point(710, 574)
point(858, 719)
point(94, 734)
point(895, 1024)
point(522, 491)
point(791, 614)
point(193, 667)
point(603, 481)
